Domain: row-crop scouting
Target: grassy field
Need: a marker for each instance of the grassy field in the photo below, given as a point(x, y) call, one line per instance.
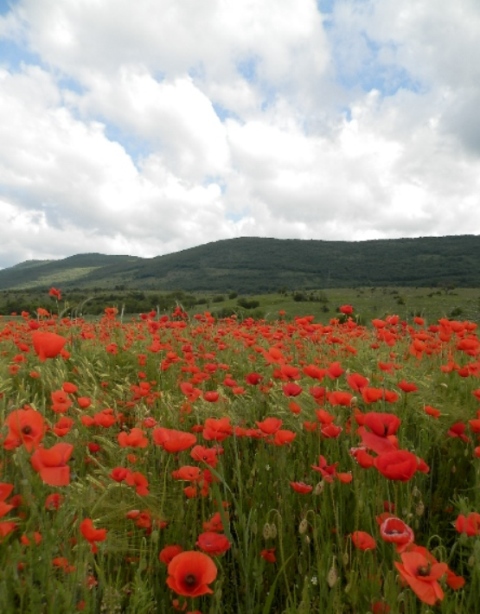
point(370, 303)
point(176, 462)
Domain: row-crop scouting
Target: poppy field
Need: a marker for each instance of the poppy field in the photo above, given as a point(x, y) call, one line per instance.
point(193, 464)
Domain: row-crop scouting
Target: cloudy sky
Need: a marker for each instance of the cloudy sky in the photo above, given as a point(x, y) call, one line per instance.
point(145, 127)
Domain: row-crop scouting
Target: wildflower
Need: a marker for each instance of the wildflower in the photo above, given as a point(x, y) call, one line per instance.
point(470, 525)
point(270, 426)
point(395, 531)
point(397, 465)
point(339, 397)
point(60, 401)
point(134, 439)
point(206, 455)
point(268, 554)
point(91, 534)
point(407, 386)
point(363, 540)
point(211, 396)
point(283, 437)
point(292, 389)
point(213, 543)
point(328, 471)
point(169, 552)
point(190, 573)
point(52, 465)
point(53, 501)
point(55, 293)
point(27, 427)
point(63, 426)
point(422, 576)
point(47, 345)
point(253, 378)
point(139, 481)
point(187, 473)
point(217, 429)
point(172, 440)
point(357, 382)
point(301, 487)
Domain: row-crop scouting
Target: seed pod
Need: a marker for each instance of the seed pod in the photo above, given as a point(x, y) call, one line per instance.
point(332, 575)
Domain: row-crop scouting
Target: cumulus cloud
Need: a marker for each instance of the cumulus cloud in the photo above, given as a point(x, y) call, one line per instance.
point(153, 127)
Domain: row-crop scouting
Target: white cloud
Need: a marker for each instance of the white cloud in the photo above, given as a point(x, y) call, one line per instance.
point(150, 127)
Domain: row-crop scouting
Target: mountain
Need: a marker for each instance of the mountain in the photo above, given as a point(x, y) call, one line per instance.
point(255, 265)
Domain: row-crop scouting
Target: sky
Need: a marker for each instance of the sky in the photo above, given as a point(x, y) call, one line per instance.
point(146, 127)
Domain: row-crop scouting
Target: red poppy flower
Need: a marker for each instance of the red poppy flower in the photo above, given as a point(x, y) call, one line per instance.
point(213, 543)
point(458, 430)
point(205, 455)
point(331, 431)
point(363, 540)
point(91, 534)
point(422, 576)
point(61, 402)
point(53, 501)
point(283, 437)
point(84, 402)
point(292, 389)
point(314, 372)
point(269, 426)
point(363, 458)
point(134, 439)
point(372, 395)
point(339, 397)
point(346, 309)
point(395, 531)
point(431, 411)
point(268, 555)
point(47, 345)
point(169, 552)
point(55, 293)
point(190, 573)
point(215, 523)
point(253, 378)
point(407, 386)
point(356, 381)
point(27, 427)
point(187, 473)
point(301, 487)
point(397, 465)
point(328, 471)
point(139, 481)
point(211, 396)
point(217, 429)
point(172, 440)
point(468, 524)
point(63, 426)
point(52, 465)
point(382, 424)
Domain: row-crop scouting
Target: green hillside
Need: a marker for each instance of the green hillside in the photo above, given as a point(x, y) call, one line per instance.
point(255, 265)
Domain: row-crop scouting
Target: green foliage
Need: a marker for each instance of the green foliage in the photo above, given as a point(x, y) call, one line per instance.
point(259, 265)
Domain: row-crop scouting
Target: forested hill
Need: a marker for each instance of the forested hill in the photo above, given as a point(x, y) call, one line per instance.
point(254, 265)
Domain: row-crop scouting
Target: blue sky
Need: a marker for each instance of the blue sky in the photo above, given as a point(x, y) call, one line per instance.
point(147, 128)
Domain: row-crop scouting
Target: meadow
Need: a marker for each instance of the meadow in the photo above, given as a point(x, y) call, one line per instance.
point(292, 463)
